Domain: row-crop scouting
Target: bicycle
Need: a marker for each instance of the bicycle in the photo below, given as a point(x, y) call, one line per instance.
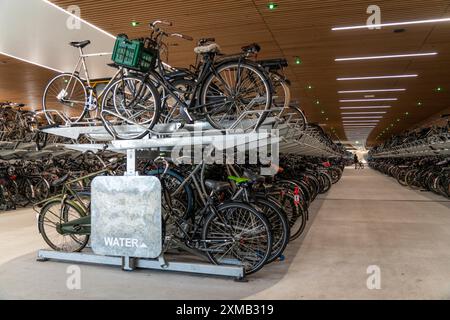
point(234, 93)
point(134, 98)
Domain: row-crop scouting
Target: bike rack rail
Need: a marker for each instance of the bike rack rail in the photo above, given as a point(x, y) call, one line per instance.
point(432, 146)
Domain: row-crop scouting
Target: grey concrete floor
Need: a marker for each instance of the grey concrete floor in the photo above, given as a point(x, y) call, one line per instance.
point(367, 219)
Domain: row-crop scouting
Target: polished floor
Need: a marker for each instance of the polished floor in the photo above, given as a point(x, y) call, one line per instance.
point(368, 231)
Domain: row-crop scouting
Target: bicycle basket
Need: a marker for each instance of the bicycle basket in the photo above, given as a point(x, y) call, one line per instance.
point(133, 54)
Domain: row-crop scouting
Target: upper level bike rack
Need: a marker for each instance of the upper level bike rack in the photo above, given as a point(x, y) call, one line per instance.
point(431, 146)
point(293, 138)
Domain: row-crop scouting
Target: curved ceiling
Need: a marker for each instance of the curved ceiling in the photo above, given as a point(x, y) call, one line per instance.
point(303, 28)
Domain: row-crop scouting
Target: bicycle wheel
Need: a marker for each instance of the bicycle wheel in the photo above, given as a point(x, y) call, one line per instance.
point(171, 109)
point(67, 94)
point(132, 105)
point(237, 234)
point(235, 96)
point(278, 222)
point(50, 218)
point(41, 189)
point(172, 181)
point(326, 182)
point(295, 214)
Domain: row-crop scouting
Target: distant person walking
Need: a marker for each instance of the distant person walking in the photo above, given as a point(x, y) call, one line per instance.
point(356, 161)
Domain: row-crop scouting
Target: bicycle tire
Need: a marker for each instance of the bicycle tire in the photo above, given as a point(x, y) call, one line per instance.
point(228, 211)
point(208, 85)
point(46, 107)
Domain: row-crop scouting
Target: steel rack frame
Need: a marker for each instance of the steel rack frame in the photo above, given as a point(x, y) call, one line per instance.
point(432, 146)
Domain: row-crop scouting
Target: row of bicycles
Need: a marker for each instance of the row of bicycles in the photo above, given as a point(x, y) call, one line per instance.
point(28, 176)
point(427, 173)
point(228, 92)
point(226, 214)
point(429, 137)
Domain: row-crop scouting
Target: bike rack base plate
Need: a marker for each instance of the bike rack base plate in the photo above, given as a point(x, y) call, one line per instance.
point(236, 272)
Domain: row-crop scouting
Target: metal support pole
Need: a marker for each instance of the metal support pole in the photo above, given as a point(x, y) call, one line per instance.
point(131, 162)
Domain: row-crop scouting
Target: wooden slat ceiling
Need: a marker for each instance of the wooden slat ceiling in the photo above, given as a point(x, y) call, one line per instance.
point(300, 28)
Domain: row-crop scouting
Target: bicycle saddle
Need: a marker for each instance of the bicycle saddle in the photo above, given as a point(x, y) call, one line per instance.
point(80, 44)
point(252, 48)
point(217, 186)
point(254, 177)
point(113, 65)
point(60, 181)
point(210, 48)
point(273, 64)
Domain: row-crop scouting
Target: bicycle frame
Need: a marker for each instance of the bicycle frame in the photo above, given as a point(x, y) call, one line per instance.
point(81, 63)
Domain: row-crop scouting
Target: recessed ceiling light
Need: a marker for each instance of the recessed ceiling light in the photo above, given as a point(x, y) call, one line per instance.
point(373, 90)
point(272, 5)
point(391, 24)
point(366, 107)
point(369, 100)
point(439, 89)
point(309, 87)
point(298, 60)
point(135, 23)
point(388, 56)
point(407, 113)
point(379, 77)
point(419, 104)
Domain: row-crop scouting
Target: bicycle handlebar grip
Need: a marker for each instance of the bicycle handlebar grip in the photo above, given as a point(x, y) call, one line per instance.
point(183, 36)
point(186, 37)
point(154, 23)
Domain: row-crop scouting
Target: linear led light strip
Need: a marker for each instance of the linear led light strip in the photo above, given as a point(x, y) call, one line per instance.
point(374, 90)
point(368, 125)
point(371, 112)
point(391, 24)
point(379, 77)
point(365, 107)
point(388, 56)
point(367, 117)
point(31, 62)
point(369, 100)
point(360, 124)
point(370, 122)
point(78, 18)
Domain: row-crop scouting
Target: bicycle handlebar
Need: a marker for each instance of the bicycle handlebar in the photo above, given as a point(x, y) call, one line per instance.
point(156, 22)
point(183, 36)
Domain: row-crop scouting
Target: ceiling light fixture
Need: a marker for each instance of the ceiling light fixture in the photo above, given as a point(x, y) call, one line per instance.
point(367, 112)
point(379, 77)
point(367, 117)
point(373, 90)
point(391, 24)
point(388, 56)
point(31, 62)
point(358, 121)
point(272, 5)
point(366, 107)
point(80, 19)
point(369, 100)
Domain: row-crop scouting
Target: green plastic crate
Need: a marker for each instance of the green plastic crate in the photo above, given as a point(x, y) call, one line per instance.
point(132, 54)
